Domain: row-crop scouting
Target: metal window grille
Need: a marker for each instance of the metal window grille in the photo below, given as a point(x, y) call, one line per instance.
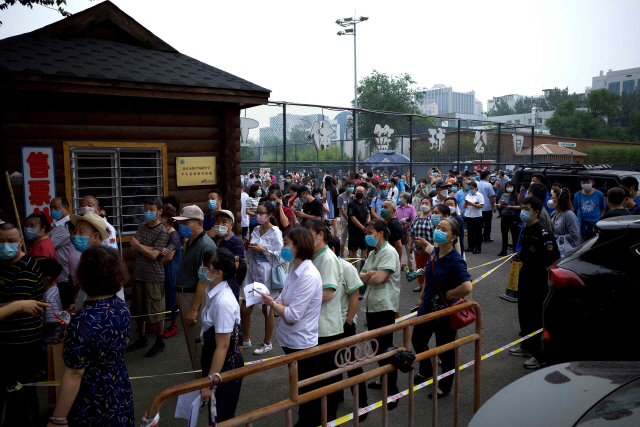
point(121, 179)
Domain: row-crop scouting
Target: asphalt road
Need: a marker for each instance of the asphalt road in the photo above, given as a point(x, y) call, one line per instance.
point(500, 323)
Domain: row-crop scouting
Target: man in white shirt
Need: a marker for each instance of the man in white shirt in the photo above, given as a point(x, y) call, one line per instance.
point(243, 211)
point(59, 235)
point(489, 195)
point(473, 203)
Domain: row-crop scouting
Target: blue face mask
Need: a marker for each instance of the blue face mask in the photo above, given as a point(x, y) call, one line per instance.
point(440, 237)
point(385, 180)
point(318, 196)
point(150, 216)
point(56, 215)
point(212, 204)
point(31, 233)
point(185, 231)
point(383, 193)
point(350, 189)
point(286, 254)
point(9, 250)
point(472, 192)
point(259, 192)
point(454, 189)
point(370, 240)
point(202, 275)
point(288, 181)
point(81, 243)
point(466, 188)
point(399, 201)
point(275, 204)
point(439, 179)
point(525, 217)
point(435, 219)
point(384, 213)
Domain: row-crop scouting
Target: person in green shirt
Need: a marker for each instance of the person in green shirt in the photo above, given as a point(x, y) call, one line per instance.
point(381, 275)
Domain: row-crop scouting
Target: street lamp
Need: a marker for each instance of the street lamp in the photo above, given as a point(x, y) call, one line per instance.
point(350, 30)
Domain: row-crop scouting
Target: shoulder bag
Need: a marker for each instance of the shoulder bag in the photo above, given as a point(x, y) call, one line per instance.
point(460, 319)
point(278, 276)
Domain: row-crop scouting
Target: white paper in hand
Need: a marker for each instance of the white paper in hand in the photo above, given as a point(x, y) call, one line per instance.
point(252, 297)
point(188, 407)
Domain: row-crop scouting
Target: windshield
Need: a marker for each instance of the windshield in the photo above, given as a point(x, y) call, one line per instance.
point(619, 409)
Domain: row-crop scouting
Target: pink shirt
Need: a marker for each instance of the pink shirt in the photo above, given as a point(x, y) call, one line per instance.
point(408, 212)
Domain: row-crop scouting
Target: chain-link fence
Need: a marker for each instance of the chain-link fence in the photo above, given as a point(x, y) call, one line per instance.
point(285, 137)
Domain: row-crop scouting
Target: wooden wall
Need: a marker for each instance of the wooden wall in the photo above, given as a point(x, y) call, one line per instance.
point(190, 128)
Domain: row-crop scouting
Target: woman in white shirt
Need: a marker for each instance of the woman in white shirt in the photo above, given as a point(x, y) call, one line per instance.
point(473, 203)
point(263, 255)
point(221, 330)
point(298, 308)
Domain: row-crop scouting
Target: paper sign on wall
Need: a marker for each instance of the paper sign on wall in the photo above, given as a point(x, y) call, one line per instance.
point(195, 171)
point(38, 180)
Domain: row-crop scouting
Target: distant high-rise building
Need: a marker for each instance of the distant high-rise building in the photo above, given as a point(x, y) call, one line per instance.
point(448, 101)
point(477, 107)
point(617, 81)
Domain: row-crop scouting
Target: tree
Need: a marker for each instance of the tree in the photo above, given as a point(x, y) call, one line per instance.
point(604, 104)
point(629, 102)
point(553, 98)
point(383, 92)
point(501, 108)
point(30, 3)
point(523, 105)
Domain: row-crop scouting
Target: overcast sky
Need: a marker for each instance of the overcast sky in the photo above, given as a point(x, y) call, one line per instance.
point(291, 47)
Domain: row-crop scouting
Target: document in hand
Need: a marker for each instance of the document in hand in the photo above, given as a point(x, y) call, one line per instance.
point(252, 297)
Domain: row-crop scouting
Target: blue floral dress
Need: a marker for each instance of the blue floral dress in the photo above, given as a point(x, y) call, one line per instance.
point(95, 341)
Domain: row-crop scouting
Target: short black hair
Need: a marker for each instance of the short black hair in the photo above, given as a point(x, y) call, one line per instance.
point(218, 192)
point(586, 177)
point(349, 183)
point(615, 195)
point(64, 202)
point(370, 174)
point(221, 259)
point(357, 176)
point(472, 184)
point(173, 200)
point(379, 225)
point(556, 184)
point(451, 198)
point(540, 177)
point(154, 201)
point(49, 267)
point(538, 190)
point(315, 191)
point(630, 181)
point(334, 245)
point(393, 180)
point(44, 222)
point(278, 193)
point(534, 202)
point(484, 174)
point(303, 189)
point(302, 240)
point(101, 271)
point(318, 227)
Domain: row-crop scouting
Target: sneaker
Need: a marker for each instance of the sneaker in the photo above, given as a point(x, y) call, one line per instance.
point(532, 363)
point(171, 332)
point(417, 289)
point(263, 348)
point(138, 345)
point(157, 348)
point(246, 344)
point(519, 352)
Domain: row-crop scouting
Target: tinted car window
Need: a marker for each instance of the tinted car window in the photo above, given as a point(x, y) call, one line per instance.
point(604, 184)
point(572, 182)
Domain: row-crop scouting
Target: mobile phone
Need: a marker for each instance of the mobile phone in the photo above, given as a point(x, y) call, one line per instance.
point(63, 316)
point(171, 247)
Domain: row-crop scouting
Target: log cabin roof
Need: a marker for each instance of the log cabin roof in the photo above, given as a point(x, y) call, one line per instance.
point(104, 43)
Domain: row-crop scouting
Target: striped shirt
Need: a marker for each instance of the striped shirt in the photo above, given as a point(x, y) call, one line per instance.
point(19, 281)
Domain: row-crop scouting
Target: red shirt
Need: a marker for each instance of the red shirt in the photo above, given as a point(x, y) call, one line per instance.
point(289, 214)
point(43, 248)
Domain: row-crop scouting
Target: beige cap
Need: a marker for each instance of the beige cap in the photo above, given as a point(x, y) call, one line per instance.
point(94, 219)
point(224, 212)
point(190, 212)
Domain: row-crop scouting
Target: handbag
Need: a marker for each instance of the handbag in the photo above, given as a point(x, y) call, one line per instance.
point(459, 319)
point(278, 276)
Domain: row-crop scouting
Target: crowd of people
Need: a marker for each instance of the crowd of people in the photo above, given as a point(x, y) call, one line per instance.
point(190, 266)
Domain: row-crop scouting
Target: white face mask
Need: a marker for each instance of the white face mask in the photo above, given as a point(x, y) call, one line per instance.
point(452, 209)
point(424, 208)
point(85, 209)
point(586, 187)
point(221, 230)
point(444, 193)
point(509, 189)
point(551, 204)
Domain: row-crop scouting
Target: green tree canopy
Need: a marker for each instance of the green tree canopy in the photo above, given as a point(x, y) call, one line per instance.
point(604, 104)
point(501, 108)
point(553, 98)
point(523, 105)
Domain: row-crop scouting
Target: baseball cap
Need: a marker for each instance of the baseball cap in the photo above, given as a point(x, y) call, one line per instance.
point(94, 219)
point(190, 212)
point(383, 184)
point(224, 212)
point(442, 184)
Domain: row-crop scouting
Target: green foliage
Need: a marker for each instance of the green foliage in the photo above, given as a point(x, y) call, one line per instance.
point(501, 108)
point(628, 103)
point(554, 98)
point(29, 3)
point(523, 105)
point(612, 154)
point(603, 103)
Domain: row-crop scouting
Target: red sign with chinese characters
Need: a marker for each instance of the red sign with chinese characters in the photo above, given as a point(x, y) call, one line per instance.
point(38, 180)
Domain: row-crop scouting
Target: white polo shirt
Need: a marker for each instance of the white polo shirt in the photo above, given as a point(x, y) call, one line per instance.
point(470, 211)
point(220, 310)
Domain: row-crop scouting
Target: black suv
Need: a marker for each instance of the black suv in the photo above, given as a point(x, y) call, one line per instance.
point(593, 305)
point(569, 175)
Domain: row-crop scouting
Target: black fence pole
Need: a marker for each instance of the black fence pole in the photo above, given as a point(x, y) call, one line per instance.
point(355, 143)
point(459, 145)
point(412, 177)
point(499, 139)
point(532, 132)
point(284, 137)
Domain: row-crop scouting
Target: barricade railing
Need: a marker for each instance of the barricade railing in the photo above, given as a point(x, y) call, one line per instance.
point(345, 344)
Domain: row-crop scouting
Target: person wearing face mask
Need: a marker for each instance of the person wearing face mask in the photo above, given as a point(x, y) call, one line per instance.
point(539, 251)
point(21, 332)
point(442, 212)
point(35, 232)
point(263, 255)
point(589, 204)
point(171, 259)
point(91, 204)
point(452, 204)
point(401, 183)
point(510, 216)
point(394, 191)
point(473, 204)
point(420, 192)
point(190, 290)
point(255, 192)
point(284, 215)
point(443, 192)
point(312, 209)
point(463, 190)
point(376, 202)
point(446, 278)
point(221, 332)
point(358, 216)
point(298, 308)
point(59, 235)
point(615, 199)
point(148, 290)
point(406, 213)
point(628, 203)
point(381, 275)
point(565, 223)
point(214, 203)
point(225, 237)
point(421, 232)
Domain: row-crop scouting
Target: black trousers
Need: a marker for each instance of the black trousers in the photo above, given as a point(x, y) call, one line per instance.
point(350, 331)
point(487, 216)
point(532, 291)
point(444, 334)
point(509, 223)
point(378, 320)
point(309, 413)
point(474, 231)
point(227, 393)
point(327, 363)
point(19, 408)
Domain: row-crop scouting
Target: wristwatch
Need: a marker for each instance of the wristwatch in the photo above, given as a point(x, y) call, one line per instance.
point(272, 304)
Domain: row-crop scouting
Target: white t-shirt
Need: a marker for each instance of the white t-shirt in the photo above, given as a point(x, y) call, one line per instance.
point(470, 211)
point(220, 310)
point(111, 241)
point(394, 192)
point(243, 209)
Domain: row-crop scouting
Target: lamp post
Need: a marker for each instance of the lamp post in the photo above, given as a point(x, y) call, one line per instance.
point(350, 25)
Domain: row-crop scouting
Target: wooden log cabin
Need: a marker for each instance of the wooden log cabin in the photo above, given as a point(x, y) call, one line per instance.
point(118, 105)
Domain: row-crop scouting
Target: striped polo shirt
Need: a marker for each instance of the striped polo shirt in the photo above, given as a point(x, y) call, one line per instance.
point(19, 281)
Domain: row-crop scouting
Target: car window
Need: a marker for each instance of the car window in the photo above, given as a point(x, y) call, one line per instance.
point(621, 407)
point(572, 182)
point(604, 183)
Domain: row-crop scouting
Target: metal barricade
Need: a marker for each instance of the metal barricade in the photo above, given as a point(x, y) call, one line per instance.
point(347, 345)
